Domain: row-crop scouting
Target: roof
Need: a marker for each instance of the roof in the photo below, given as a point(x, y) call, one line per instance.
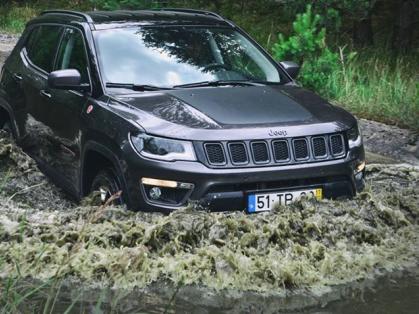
point(121, 18)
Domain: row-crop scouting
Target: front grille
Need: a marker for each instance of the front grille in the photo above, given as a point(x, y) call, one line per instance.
point(260, 152)
point(319, 147)
point(336, 144)
point(281, 152)
point(274, 152)
point(301, 149)
point(215, 153)
point(238, 153)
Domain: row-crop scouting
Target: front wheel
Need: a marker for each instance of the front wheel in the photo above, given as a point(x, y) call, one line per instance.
point(106, 185)
point(7, 126)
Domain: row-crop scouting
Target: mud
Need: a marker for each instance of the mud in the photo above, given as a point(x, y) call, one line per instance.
point(22, 182)
point(312, 245)
point(389, 144)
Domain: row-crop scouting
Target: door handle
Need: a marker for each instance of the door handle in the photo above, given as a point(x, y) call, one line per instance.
point(17, 77)
point(45, 93)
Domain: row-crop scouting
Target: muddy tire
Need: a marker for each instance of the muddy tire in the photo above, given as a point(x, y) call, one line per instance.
point(106, 184)
point(7, 126)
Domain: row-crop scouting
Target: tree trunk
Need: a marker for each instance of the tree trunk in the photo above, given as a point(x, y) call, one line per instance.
point(404, 25)
point(362, 32)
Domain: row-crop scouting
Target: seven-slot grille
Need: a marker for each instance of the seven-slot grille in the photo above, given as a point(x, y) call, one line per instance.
point(270, 152)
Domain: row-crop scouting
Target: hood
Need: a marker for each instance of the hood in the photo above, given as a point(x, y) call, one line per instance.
point(188, 113)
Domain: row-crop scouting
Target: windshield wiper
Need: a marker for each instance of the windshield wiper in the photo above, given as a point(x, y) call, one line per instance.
point(137, 87)
point(216, 83)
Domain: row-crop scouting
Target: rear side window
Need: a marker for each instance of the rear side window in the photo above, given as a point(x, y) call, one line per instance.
point(42, 46)
point(72, 54)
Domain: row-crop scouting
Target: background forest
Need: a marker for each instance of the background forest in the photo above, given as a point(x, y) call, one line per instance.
point(361, 54)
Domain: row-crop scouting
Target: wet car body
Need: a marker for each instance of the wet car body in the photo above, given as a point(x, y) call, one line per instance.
point(245, 138)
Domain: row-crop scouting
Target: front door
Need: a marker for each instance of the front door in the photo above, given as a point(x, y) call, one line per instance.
point(39, 55)
point(68, 107)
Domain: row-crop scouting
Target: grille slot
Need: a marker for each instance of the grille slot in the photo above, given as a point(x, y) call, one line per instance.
point(336, 144)
point(301, 149)
point(238, 153)
point(215, 154)
point(319, 147)
point(260, 152)
point(281, 151)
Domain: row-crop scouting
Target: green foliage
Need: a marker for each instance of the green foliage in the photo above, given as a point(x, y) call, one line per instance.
point(356, 9)
point(308, 47)
point(317, 70)
point(122, 4)
point(308, 40)
point(13, 19)
point(377, 86)
point(371, 84)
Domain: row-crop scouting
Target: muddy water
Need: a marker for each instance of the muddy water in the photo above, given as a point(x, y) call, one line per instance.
point(313, 257)
point(393, 293)
point(386, 296)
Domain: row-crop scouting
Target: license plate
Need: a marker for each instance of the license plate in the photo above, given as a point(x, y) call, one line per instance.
point(268, 201)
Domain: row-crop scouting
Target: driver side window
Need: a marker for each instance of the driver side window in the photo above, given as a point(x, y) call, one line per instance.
point(72, 54)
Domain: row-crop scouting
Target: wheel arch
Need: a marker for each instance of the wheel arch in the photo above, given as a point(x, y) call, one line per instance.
point(97, 157)
point(4, 116)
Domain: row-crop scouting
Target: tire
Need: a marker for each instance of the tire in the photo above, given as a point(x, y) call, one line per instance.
point(107, 184)
point(7, 126)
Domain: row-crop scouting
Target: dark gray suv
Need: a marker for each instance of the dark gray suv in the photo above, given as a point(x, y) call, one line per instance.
point(172, 106)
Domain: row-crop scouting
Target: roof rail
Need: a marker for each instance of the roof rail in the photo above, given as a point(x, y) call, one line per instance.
point(84, 16)
point(192, 11)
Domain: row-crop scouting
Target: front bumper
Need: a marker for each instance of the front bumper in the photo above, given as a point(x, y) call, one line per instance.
point(226, 189)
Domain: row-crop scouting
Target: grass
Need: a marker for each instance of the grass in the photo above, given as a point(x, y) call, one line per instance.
point(14, 18)
point(379, 87)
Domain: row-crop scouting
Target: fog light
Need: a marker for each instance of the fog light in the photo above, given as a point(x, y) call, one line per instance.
point(166, 183)
point(360, 167)
point(157, 182)
point(155, 193)
point(165, 192)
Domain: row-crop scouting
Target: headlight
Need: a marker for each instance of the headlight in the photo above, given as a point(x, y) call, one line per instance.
point(354, 137)
point(163, 148)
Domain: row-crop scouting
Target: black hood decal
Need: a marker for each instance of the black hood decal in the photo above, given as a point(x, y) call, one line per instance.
point(173, 110)
point(243, 106)
point(252, 111)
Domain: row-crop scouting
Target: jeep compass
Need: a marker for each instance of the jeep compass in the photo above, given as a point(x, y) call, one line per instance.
point(172, 107)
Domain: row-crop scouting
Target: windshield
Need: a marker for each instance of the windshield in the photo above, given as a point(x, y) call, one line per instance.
point(172, 56)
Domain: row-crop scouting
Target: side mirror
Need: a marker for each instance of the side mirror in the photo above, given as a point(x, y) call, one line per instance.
point(292, 68)
point(66, 79)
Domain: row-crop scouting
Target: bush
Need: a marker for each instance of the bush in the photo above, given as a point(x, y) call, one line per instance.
point(308, 40)
point(308, 47)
